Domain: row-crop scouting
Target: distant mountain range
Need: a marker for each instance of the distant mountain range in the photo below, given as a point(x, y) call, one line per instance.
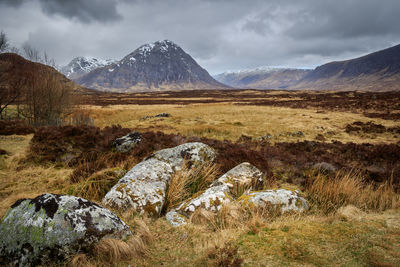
point(80, 66)
point(158, 66)
point(263, 78)
point(379, 71)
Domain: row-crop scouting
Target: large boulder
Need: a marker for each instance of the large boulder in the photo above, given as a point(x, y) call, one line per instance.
point(283, 199)
point(127, 142)
point(143, 188)
point(222, 191)
point(51, 227)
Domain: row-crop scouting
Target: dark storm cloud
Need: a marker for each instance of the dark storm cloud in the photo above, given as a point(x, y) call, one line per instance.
point(82, 10)
point(219, 34)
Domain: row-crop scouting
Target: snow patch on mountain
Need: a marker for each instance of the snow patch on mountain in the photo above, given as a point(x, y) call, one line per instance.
point(82, 65)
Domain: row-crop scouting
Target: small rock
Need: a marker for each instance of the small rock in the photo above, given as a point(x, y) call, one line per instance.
point(324, 167)
point(51, 227)
point(286, 200)
point(127, 142)
point(175, 218)
point(265, 137)
point(162, 115)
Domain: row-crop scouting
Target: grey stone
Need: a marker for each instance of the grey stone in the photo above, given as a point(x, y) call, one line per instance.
point(222, 191)
point(163, 115)
point(143, 188)
point(175, 218)
point(51, 227)
point(285, 200)
point(127, 142)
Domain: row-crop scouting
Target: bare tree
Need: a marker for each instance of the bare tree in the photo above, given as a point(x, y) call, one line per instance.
point(48, 60)
point(31, 53)
point(3, 42)
point(46, 99)
point(12, 82)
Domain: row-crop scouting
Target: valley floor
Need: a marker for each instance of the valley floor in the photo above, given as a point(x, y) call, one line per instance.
point(323, 236)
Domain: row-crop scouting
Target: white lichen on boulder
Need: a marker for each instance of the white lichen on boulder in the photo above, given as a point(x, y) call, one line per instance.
point(175, 218)
point(143, 188)
point(51, 227)
point(221, 191)
point(211, 199)
point(244, 175)
point(285, 200)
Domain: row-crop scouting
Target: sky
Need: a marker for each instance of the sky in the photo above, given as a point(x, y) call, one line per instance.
point(221, 35)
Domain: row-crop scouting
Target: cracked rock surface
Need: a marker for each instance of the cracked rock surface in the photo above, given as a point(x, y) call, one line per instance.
point(143, 188)
point(54, 226)
point(221, 191)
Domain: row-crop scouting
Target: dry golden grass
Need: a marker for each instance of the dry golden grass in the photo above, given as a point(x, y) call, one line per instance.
point(188, 181)
point(113, 252)
point(97, 185)
point(20, 180)
point(259, 237)
point(349, 188)
point(229, 121)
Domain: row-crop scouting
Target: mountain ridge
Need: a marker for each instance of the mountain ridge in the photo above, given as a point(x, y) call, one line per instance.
point(157, 66)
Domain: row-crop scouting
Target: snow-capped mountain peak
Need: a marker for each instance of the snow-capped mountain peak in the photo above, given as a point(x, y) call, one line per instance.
point(81, 65)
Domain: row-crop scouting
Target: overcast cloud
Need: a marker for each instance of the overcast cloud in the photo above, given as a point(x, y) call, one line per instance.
point(221, 34)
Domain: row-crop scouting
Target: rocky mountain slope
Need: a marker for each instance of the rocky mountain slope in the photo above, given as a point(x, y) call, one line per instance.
point(80, 66)
point(262, 78)
point(159, 66)
point(379, 71)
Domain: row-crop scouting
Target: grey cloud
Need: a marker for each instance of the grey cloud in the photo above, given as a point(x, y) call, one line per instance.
point(219, 34)
point(83, 10)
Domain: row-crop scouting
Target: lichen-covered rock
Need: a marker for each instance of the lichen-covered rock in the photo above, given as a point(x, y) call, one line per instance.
point(285, 200)
point(53, 227)
point(211, 199)
point(223, 190)
point(243, 175)
point(143, 188)
point(175, 218)
point(191, 152)
point(127, 142)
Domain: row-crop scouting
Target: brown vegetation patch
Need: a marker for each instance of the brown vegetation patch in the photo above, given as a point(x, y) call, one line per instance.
point(88, 150)
point(15, 127)
point(370, 127)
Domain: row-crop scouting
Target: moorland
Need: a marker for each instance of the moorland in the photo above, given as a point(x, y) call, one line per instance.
point(340, 149)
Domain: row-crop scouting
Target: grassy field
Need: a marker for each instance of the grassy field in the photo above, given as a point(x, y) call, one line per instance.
point(350, 223)
point(228, 121)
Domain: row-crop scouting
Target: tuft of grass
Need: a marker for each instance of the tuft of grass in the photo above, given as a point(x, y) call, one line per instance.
point(227, 255)
point(97, 185)
point(188, 181)
point(349, 188)
point(109, 251)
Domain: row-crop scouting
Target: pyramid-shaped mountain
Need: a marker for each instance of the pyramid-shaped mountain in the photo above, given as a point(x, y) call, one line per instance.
point(159, 66)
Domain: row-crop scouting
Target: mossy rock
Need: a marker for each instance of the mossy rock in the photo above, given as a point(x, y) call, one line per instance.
point(51, 227)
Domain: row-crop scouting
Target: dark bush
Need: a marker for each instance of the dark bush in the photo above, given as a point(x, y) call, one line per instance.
point(15, 127)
